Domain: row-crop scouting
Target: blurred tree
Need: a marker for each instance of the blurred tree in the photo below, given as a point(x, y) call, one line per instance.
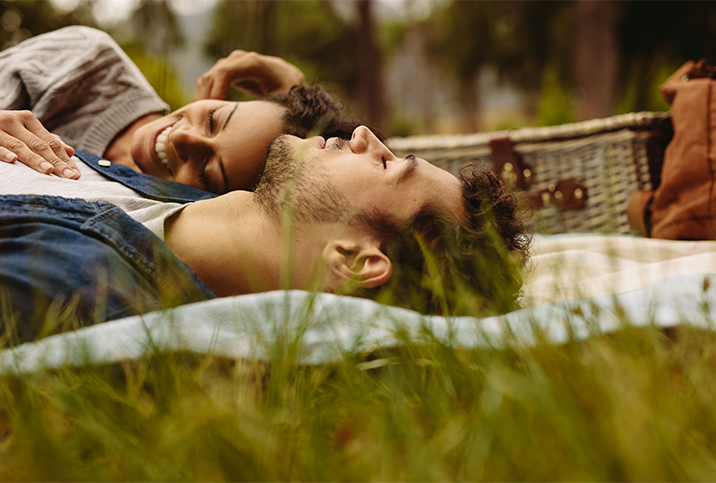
point(626, 49)
point(312, 35)
point(596, 58)
point(458, 35)
point(519, 38)
point(155, 23)
point(154, 35)
point(160, 74)
point(655, 38)
point(22, 19)
point(370, 81)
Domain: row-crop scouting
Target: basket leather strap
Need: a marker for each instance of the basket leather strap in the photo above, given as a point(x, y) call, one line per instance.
point(516, 173)
point(566, 194)
point(639, 212)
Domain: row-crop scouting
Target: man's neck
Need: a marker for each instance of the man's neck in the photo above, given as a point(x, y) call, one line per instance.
point(229, 242)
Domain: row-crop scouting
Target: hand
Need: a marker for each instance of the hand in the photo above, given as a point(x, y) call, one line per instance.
point(23, 138)
point(259, 75)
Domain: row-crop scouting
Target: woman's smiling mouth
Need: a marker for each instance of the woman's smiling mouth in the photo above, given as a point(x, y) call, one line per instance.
point(161, 147)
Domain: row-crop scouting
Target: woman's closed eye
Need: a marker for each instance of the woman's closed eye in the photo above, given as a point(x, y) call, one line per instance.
point(202, 174)
point(210, 121)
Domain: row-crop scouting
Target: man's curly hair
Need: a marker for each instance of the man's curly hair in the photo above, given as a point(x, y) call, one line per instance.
point(447, 266)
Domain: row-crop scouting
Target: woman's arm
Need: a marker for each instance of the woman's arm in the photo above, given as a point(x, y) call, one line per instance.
point(257, 74)
point(79, 84)
point(27, 72)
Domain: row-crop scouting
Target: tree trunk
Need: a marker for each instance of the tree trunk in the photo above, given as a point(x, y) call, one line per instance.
point(370, 79)
point(472, 115)
point(596, 58)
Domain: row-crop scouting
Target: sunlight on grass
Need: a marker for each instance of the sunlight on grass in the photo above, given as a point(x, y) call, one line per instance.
point(635, 404)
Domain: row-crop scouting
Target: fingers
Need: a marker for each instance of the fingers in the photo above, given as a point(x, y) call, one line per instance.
point(212, 85)
point(22, 135)
point(68, 149)
point(51, 148)
point(7, 155)
point(204, 87)
point(215, 82)
point(257, 74)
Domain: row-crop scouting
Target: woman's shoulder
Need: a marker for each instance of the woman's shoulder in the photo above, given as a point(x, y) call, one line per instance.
point(65, 38)
point(81, 32)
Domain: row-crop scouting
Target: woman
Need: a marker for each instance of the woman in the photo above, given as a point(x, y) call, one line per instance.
point(77, 83)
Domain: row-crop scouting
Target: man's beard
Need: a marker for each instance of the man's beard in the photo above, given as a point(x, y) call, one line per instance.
point(287, 183)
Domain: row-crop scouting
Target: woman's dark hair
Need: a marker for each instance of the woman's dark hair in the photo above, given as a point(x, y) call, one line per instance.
point(310, 110)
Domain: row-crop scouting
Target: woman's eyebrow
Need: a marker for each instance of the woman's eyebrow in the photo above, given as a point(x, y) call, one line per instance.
point(230, 114)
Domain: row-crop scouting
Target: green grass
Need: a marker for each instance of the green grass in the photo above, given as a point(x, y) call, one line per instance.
point(634, 405)
point(637, 404)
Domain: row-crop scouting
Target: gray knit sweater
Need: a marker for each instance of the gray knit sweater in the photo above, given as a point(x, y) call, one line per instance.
point(79, 84)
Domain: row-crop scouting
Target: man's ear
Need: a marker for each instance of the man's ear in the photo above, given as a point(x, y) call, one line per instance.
point(357, 262)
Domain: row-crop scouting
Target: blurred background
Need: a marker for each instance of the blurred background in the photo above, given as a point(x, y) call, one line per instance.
point(412, 66)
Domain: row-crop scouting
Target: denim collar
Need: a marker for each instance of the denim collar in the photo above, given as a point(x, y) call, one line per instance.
point(148, 186)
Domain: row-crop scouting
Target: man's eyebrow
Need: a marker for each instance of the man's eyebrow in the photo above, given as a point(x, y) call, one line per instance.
point(410, 164)
point(223, 174)
point(230, 114)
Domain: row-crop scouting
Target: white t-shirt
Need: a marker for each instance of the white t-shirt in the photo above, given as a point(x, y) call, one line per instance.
point(18, 179)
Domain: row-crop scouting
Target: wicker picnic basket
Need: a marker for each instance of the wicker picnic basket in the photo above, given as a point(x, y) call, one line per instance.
point(609, 159)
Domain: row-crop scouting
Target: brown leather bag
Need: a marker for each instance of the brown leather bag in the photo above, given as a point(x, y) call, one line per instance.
point(683, 207)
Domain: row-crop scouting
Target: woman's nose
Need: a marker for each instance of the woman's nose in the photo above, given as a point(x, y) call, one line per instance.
point(188, 144)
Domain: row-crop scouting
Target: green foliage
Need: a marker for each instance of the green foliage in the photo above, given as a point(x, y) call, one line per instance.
point(641, 92)
point(26, 18)
point(555, 105)
point(393, 33)
point(533, 42)
point(634, 405)
point(518, 38)
point(655, 39)
point(160, 75)
point(402, 125)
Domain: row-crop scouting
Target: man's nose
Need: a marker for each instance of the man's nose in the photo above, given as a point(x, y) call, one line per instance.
point(363, 140)
point(189, 144)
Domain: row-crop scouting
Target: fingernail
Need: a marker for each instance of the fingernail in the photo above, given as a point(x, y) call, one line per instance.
point(46, 167)
point(68, 173)
point(11, 157)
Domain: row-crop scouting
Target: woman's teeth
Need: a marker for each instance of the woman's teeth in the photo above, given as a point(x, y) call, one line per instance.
point(161, 146)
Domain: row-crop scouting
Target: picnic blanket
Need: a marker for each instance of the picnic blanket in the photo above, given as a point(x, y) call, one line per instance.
point(577, 286)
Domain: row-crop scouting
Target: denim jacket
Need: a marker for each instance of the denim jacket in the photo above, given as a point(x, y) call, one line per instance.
point(148, 186)
point(66, 263)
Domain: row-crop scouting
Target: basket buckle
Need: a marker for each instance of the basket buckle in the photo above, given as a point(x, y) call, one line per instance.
point(516, 173)
point(564, 195)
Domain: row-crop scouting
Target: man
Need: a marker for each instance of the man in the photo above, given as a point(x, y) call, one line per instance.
point(337, 216)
